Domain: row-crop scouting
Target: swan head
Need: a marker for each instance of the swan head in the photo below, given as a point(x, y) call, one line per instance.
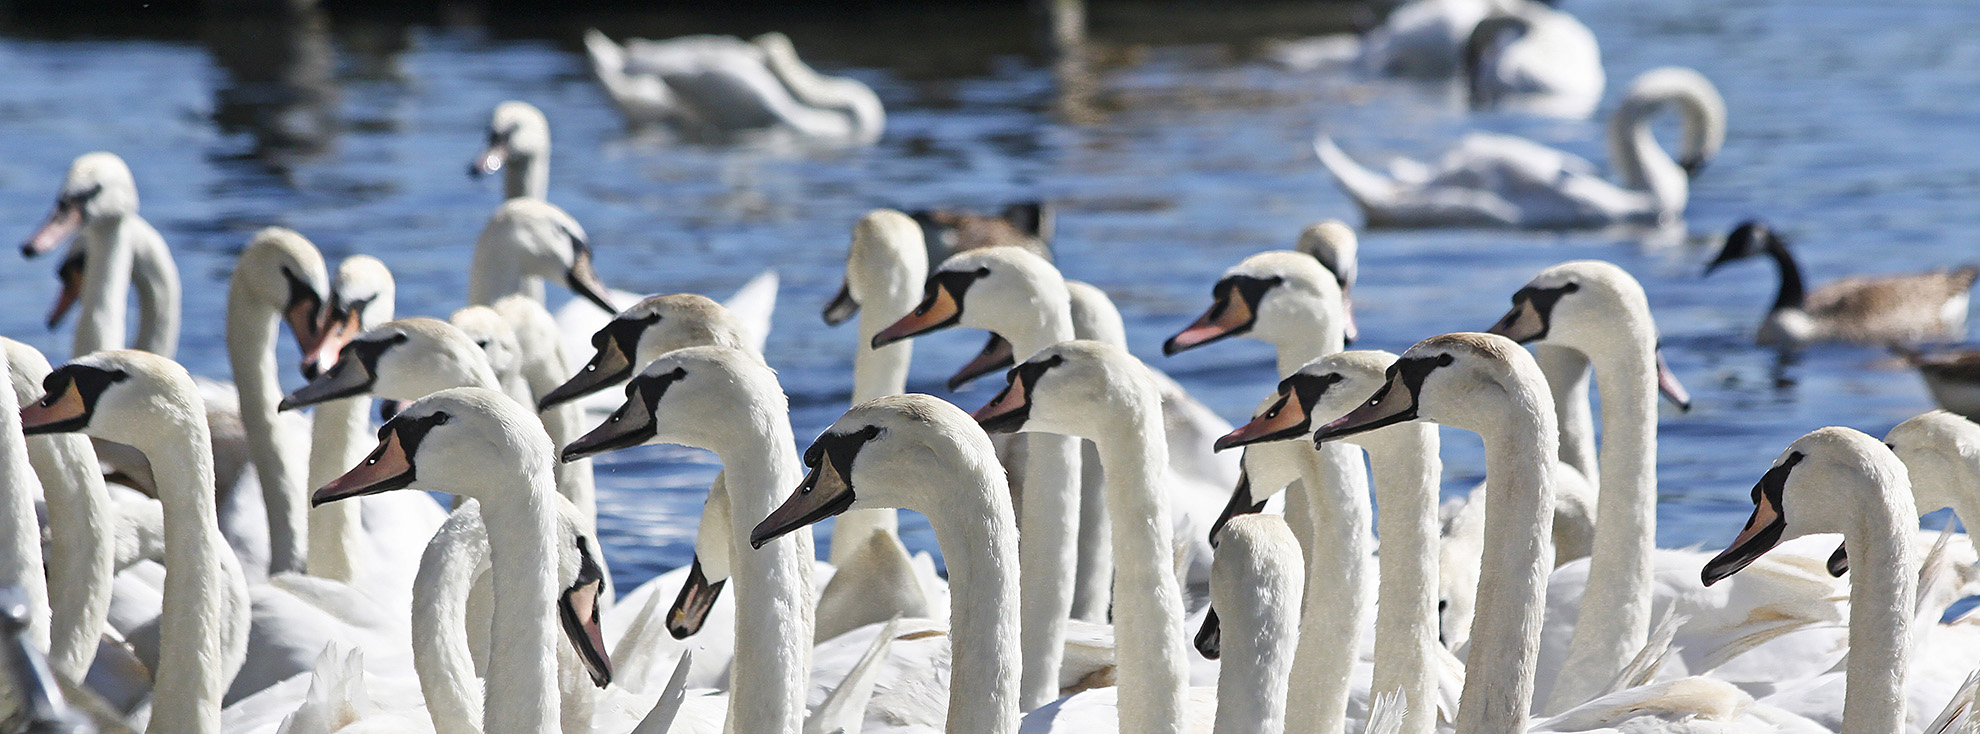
point(469, 441)
point(405, 359)
point(493, 335)
point(1335, 245)
point(361, 298)
point(1752, 237)
point(1588, 306)
point(1820, 484)
point(99, 186)
point(578, 609)
point(898, 451)
point(641, 334)
point(1701, 112)
point(1470, 381)
point(886, 265)
point(1079, 388)
point(1323, 389)
point(517, 134)
point(1006, 290)
point(545, 242)
point(117, 395)
point(283, 272)
point(1277, 297)
point(1939, 449)
point(699, 397)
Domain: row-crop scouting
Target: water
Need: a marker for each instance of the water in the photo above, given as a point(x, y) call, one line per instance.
point(1172, 157)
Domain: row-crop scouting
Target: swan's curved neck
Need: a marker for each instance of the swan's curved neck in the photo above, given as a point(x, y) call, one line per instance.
point(496, 270)
point(196, 655)
point(983, 634)
point(1567, 373)
point(106, 285)
point(20, 530)
point(1519, 517)
point(441, 655)
point(1615, 607)
point(876, 373)
point(1294, 354)
point(521, 693)
point(338, 438)
point(251, 329)
point(82, 555)
point(1407, 470)
point(773, 584)
point(1338, 511)
point(1148, 623)
point(1253, 683)
point(1642, 163)
point(1881, 605)
point(1792, 293)
point(157, 279)
point(528, 175)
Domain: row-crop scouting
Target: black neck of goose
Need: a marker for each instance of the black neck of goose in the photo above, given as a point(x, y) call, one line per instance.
point(1793, 294)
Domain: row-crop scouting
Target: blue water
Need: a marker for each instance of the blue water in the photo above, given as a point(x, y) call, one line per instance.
point(1176, 154)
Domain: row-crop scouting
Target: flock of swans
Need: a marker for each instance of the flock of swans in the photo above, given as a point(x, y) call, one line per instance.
point(189, 555)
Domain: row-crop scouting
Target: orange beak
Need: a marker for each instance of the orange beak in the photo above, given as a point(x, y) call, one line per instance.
point(938, 310)
point(51, 414)
point(1284, 420)
point(61, 225)
point(1228, 316)
point(386, 469)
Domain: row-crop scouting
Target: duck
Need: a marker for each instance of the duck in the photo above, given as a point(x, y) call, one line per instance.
point(1902, 309)
point(720, 87)
point(1494, 180)
point(518, 148)
point(1536, 60)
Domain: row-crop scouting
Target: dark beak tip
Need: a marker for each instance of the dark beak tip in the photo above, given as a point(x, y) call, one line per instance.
point(1169, 348)
point(1222, 443)
point(287, 404)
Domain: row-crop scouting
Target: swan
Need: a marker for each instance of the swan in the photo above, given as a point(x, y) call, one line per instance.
point(526, 242)
point(1335, 245)
point(1486, 384)
point(1021, 297)
point(720, 86)
point(1837, 480)
point(919, 453)
point(98, 204)
point(1941, 451)
point(1098, 392)
point(1536, 60)
point(1406, 469)
point(20, 532)
point(1492, 180)
point(670, 400)
point(1880, 309)
point(150, 403)
point(1426, 37)
point(519, 149)
point(81, 549)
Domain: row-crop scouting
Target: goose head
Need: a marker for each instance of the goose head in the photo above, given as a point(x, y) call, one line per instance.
point(517, 135)
point(1277, 297)
point(898, 452)
point(361, 298)
point(1752, 237)
point(468, 441)
point(673, 399)
point(118, 395)
point(653, 327)
point(541, 240)
point(1820, 484)
point(1592, 307)
point(886, 265)
point(1466, 380)
point(281, 272)
point(1335, 245)
point(405, 359)
point(1006, 290)
point(99, 187)
point(1939, 450)
point(1076, 388)
point(1324, 389)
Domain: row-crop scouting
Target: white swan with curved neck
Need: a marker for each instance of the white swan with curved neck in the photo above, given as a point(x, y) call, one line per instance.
point(719, 87)
point(98, 204)
point(1099, 392)
point(1491, 180)
point(671, 400)
point(526, 242)
point(518, 148)
point(1021, 297)
point(151, 403)
point(1536, 60)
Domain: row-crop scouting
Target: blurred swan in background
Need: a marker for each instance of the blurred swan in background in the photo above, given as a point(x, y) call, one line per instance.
point(720, 86)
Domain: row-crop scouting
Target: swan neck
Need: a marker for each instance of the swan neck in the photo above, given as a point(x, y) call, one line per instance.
point(157, 279)
point(441, 656)
point(195, 653)
point(338, 438)
point(20, 530)
point(1148, 623)
point(496, 270)
point(82, 555)
point(983, 673)
point(1505, 632)
point(251, 330)
point(876, 373)
point(1568, 375)
point(1882, 597)
point(528, 175)
point(1407, 469)
point(773, 584)
point(1308, 346)
point(1338, 511)
point(106, 285)
point(522, 691)
point(1047, 558)
point(1793, 294)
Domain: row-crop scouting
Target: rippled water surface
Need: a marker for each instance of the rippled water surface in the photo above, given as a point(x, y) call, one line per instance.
point(1171, 156)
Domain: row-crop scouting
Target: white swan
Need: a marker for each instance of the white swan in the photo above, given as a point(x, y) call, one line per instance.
point(1536, 60)
point(1491, 180)
point(1885, 309)
point(671, 400)
point(1486, 384)
point(98, 203)
point(1021, 297)
point(149, 402)
point(20, 532)
point(526, 242)
point(518, 148)
point(1099, 392)
point(719, 86)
